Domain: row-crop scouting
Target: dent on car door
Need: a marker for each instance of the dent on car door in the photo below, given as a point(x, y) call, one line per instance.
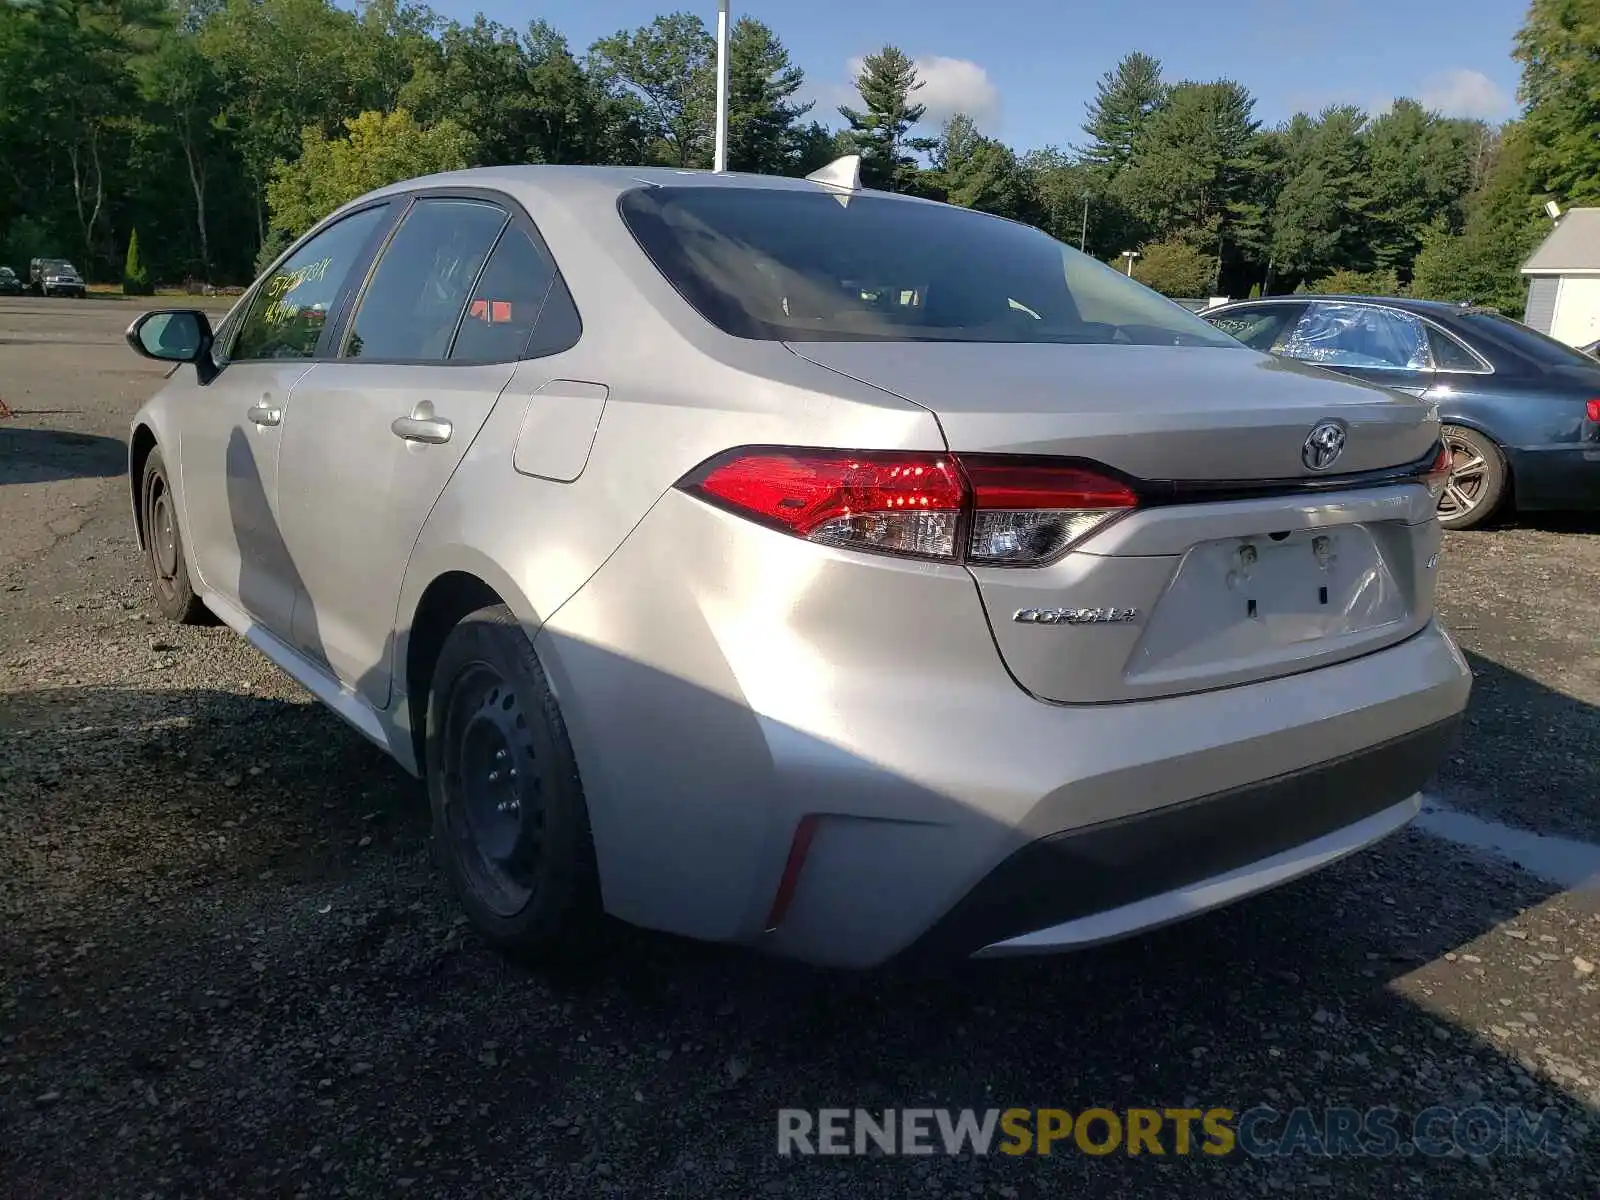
point(230, 437)
point(1365, 341)
point(436, 336)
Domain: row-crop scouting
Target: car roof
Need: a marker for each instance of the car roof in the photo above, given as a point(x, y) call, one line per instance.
point(1431, 308)
point(573, 185)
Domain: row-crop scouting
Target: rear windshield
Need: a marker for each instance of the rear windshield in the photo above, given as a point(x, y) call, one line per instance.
point(811, 266)
point(1545, 351)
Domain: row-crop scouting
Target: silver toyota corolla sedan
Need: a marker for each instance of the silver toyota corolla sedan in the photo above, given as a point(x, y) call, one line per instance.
point(781, 563)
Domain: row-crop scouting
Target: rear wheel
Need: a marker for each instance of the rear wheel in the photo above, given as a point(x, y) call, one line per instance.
point(163, 547)
point(509, 817)
point(1477, 483)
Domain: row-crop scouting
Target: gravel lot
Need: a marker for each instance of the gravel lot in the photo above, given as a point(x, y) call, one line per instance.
point(228, 968)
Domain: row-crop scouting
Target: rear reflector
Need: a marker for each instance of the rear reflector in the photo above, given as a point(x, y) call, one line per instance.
point(1594, 411)
point(986, 509)
point(798, 850)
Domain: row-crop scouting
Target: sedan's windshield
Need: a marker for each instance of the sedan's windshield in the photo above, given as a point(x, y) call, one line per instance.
point(59, 264)
point(810, 266)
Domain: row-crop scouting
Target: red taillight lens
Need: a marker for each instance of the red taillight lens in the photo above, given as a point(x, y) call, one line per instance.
point(1016, 512)
point(1438, 474)
point(898, 503)
point(1028, 513)
point(1593, 411)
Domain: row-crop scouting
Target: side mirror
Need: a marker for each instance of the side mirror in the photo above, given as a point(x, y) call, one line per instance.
point(176, 335)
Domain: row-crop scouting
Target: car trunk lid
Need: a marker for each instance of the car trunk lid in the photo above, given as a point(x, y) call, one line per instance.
point(1241, 563)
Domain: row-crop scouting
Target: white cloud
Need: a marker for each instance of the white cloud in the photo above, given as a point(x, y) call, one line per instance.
point(956, 85)
point(1460, 92)
point(950, 86)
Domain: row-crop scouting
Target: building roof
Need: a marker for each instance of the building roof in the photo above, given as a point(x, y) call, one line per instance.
point(1573, 245)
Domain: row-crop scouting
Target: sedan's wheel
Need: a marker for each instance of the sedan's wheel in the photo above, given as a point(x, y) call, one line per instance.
point(509, 816)
point(1477, 481)
point(163, 548)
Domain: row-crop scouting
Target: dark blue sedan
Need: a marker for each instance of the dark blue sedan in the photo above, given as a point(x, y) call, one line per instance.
point(1521, 411)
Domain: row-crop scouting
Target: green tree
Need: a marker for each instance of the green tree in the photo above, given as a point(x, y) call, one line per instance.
point(979, 172)
point(880, 131)
point(1321, 221)
point(763, 131)
point(284, 65)
point(1125, 100)
point(1176, 268)
point(1382, 282)
point(377, 149)
point(1559, 48)
point(1073, 204)
point(135, 279)
point(1194, 168)
point(668, 66)
point(1482, 263)
point(1420, 167)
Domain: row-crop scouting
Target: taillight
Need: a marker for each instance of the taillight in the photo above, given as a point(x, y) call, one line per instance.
point(1029, 512)
point(1438, 473)
point(1593, 411)
point(986, 509)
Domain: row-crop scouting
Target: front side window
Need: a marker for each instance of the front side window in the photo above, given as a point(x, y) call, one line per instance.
point(1260, 327)
point(290, 308)
point(805, 265)
point(1359, 335)
point(414, 300)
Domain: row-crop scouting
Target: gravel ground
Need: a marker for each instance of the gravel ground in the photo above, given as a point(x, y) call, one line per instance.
point(228, 967)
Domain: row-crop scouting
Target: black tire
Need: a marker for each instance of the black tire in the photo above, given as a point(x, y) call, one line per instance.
point(163, 547)
point(1477, 486)
point(509, 817)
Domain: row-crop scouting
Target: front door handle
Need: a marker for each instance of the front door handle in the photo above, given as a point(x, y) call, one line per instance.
point(422, 426)
point(266, 414)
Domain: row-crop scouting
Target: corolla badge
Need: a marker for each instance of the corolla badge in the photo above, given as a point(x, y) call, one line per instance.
point(1323, 445)
point(1075, 616)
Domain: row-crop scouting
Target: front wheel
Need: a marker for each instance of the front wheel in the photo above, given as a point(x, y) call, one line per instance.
point(163, 547)
point(1476, 486)
point(509, 817)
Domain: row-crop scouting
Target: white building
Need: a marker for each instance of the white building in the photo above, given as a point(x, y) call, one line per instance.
point(1564, 279)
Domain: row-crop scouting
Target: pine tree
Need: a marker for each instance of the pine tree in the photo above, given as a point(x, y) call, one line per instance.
point(1561, 87)
point(135, 279)
point(1124, 101)
point(879, 132)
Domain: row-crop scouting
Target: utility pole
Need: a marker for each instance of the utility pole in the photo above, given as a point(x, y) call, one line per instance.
point(1083, 238)
point(721, 153)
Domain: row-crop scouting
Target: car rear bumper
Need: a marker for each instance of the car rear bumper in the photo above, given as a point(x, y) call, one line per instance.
point(747, 709)
point(1085, 886)
point(1563, 477)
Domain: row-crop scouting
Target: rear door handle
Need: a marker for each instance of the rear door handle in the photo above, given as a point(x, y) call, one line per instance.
point(265, 414)
point(422, 426)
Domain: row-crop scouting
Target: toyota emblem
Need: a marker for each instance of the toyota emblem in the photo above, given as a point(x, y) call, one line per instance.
point(1323, 445)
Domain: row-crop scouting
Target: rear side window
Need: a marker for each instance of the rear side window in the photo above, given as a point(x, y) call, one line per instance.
point(415, 298)
point(291, 307)
point(506, 301)
point(1260, 328)
point(1545, 351)
point(1451, 355)
point(806, 265)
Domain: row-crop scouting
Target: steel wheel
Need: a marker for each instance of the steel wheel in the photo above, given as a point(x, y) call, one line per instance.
point(492, 789)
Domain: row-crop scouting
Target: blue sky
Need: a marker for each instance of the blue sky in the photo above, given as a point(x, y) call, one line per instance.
point(1025, 68)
